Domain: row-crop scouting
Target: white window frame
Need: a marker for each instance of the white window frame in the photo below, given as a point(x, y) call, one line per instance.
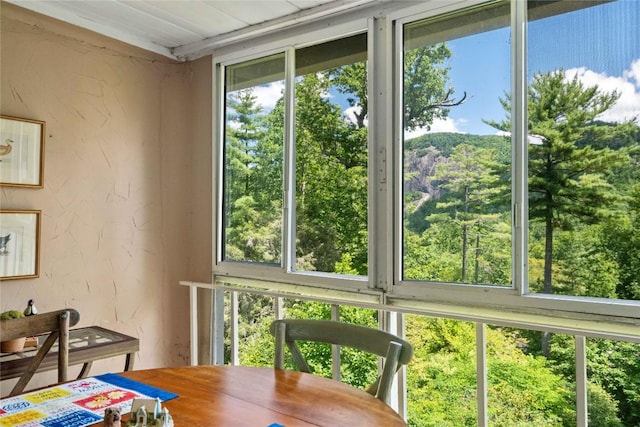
point(256, 274)
point(384, 287)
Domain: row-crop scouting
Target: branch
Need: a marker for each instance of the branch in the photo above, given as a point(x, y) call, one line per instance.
point(446, 102)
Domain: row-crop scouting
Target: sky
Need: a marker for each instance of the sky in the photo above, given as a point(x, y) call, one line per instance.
point(599, 44)
point(586, 43)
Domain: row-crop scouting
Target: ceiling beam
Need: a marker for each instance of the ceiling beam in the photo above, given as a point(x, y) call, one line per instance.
point(207, 46)
point(53, 10)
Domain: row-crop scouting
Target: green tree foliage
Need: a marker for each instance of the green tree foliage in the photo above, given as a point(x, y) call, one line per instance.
point(603, 408)
point(445, 142)
point(583, 266)
point(567, 178)
point(585, 207)
point(613, 369)
point(425, 95)
point(331, 179)
point(250, 235)
point(523, 390)
point(457, 180)
point(255, 344)
point(241, 140)
point(622, 241)
point(468, 179)
point(460, 215)
point(438, 246)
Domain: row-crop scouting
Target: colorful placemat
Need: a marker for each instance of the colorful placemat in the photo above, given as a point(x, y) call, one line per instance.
point(75, 404)
point(145, 389)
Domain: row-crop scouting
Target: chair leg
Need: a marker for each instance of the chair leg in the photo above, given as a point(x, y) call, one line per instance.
point(63, 346)
point(128, 363)
point(86, 367)
point(390, 368)
point(280, 333)
point(35, 362)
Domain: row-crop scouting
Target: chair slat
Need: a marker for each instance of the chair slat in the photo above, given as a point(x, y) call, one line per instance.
point(35, 325)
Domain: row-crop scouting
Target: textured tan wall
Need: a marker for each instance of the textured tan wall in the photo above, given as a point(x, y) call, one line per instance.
point(126, 203)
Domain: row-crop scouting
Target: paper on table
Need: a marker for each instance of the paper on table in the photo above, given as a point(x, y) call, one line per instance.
point(75, 404)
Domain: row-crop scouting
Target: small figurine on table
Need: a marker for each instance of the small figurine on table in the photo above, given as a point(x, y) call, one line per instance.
point(112, 417)
point(141, 417)
point(31, 309)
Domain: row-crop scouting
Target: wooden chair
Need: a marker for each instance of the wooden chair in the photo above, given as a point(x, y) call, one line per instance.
point(396, 351)
point(57, 324)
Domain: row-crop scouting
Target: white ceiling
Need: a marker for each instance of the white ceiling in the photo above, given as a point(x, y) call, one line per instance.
point(182, 29)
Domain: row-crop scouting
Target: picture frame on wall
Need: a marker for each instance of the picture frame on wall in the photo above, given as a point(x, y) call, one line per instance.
point(21, 152)
point(19, 244)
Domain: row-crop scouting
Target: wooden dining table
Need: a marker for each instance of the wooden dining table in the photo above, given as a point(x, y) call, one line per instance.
point(224, 395)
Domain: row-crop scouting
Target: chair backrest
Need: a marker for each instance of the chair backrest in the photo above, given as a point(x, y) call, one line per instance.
point(56, 324)
point(396, 351)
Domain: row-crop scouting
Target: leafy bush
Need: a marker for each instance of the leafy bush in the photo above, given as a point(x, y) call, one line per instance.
point(11, 314)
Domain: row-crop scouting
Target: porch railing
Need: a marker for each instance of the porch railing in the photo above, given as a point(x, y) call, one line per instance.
point(388, 320)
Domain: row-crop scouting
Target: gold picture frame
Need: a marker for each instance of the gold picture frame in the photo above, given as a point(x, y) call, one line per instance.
point(21, 152)
point(19, 244)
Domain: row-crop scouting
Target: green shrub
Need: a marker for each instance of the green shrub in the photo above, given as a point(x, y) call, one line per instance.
point(11, 314)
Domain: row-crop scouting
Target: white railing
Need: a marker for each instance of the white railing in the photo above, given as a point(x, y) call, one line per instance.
point(389, 320)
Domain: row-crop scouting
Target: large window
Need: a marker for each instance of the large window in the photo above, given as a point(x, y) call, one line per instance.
point(472, 164)
point(476, 160)
point(331, 157)
point(457, 211)
point(253, 147)
point(584, 179)
point(324, 194)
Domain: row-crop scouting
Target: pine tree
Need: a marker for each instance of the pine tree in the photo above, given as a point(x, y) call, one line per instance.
point(568, 179)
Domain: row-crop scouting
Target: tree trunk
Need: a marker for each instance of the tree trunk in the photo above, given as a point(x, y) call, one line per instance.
point(464, 252)
point(545, 343)
point(465, 228)
point(477, 260)
point(548, 254)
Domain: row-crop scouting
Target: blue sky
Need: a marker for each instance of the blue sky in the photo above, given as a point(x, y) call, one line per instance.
point(586, 43)
point(600, 44)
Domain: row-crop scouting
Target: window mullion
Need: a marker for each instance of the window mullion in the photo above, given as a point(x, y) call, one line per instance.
point(481, 374)
point(519, 172)
point(217, 161)
point(582, 414)
point(380, 153)
point(397, 168)
point(289, 165)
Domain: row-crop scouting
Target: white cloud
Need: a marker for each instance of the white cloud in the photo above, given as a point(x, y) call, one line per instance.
point(536, 139)
point(627, 85)
point(532, 138)
point(446, 124)
point(349, 115)
point(633, 73)
point(409, 134)
point(267, 95)
point(233, 124)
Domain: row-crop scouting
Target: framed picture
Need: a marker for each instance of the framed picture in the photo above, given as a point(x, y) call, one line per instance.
point(19, 244)
point(21, 152)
